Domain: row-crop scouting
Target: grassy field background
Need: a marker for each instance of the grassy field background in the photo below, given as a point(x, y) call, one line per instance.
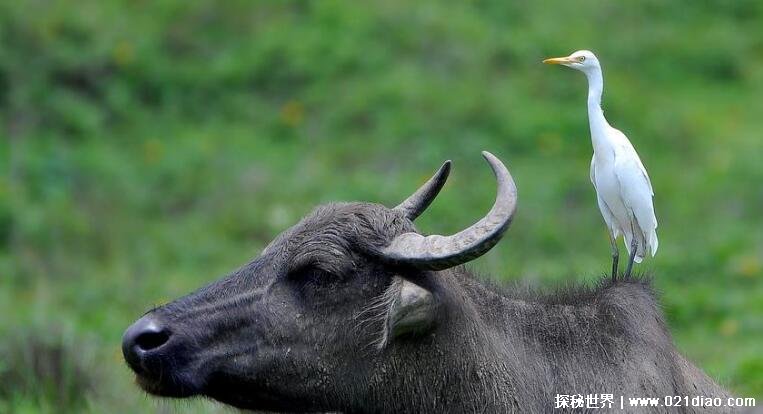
point(150, 147)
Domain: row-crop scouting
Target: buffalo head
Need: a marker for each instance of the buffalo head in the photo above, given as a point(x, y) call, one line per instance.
point(329, 308)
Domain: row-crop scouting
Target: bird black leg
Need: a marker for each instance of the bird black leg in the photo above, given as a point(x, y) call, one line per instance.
point(634, 247)
point(615, 257)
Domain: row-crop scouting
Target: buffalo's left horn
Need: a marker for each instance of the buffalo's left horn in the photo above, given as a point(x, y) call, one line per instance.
point(414, 205)
point(437, 252)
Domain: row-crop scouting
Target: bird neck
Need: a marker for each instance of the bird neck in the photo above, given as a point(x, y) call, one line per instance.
point(596, 119)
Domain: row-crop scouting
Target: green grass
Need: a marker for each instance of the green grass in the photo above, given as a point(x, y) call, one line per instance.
point(150, 147)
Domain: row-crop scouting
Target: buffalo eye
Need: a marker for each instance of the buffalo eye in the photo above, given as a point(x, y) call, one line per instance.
point(311, 278)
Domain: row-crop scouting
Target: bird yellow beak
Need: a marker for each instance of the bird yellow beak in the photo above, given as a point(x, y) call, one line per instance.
point(559, 60)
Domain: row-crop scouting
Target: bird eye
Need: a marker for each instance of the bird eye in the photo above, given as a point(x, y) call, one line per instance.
point(581, 59)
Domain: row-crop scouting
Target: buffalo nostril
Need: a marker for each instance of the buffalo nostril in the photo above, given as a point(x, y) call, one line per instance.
point(145, 335)
point(149, 340)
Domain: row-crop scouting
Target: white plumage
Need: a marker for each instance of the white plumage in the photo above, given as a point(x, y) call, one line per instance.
point(623, 189)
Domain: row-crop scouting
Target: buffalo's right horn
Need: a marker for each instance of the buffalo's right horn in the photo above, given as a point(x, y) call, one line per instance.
point(437, 252)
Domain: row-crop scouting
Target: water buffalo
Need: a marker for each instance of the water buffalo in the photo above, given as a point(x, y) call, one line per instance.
point(353, 310)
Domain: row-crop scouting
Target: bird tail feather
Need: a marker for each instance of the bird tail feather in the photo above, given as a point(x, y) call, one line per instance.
point(653, 242)
point(646, 245)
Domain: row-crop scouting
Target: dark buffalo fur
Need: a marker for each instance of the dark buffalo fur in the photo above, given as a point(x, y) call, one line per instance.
point(302, 328)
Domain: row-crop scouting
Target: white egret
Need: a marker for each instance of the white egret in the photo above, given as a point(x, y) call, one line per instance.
point(622, 184)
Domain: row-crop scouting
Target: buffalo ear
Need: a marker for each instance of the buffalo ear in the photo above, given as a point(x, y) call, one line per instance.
point(413, 310)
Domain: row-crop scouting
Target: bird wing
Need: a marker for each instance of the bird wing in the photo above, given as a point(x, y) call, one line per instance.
point(609, 218)
point(628, 147)
point(636, 192)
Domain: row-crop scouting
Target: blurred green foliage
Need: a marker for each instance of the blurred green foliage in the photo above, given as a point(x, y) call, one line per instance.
point(150, 147)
